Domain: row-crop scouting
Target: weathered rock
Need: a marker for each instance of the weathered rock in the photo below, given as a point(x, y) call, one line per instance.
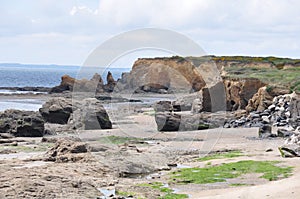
point(265, 131)
point(284, 133)
point(162, 106)
point(111, 83)
point(170, 74)
point(260, 101)
point(22, 123)
point(57, 110)
point(167, 121)
point(66, 150)
point(95, 84)
point(90, 114)
point(66, 84)
point(240, 91)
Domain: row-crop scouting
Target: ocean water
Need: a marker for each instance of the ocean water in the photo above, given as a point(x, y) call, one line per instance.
point(21, 75)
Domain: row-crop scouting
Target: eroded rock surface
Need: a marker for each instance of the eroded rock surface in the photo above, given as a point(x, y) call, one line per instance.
point(22, 123)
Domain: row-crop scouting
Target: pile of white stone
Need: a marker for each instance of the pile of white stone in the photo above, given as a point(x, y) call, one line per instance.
point(283, 112)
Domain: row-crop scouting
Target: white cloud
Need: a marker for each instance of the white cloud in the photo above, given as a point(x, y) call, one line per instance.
point(49, 27)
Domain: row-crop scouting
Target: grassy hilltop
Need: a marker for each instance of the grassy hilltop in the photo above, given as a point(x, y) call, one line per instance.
point(280, 72)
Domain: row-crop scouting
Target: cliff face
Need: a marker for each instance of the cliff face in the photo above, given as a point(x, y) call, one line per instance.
point(163, 73)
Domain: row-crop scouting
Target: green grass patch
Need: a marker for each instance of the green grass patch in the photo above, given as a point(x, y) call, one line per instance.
point(220, 173)
point(222, 155)
point(119, 139)
point(125, 193)
point(285, 78)
point(168, 192)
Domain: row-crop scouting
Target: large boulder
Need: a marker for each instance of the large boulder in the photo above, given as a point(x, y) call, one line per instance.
point(167, 121)
point(90, 114)
point(86, 114)
point(57, 110)
point(22, 123)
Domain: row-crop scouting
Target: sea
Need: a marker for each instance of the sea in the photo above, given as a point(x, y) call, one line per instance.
point(22, 75)
point(26, 75)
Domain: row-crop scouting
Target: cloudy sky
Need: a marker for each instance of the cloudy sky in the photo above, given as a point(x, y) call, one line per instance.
point(66, 32)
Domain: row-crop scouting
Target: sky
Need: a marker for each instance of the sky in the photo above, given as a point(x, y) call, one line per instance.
point(67, 31)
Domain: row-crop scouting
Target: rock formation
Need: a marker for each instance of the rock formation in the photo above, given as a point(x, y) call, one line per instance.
point(157, 74)
point(22, 123)
point(283, 112)
point(86, 114)
point(90, 114)
point(95, 84)
point(57, 110)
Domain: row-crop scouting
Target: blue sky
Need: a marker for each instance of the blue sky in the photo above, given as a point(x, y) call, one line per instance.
point(66, 32)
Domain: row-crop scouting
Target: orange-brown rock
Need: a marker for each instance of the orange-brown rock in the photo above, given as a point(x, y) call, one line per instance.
point(260, 101)
point(173, 73)
point(240, 91)
point(68, 83)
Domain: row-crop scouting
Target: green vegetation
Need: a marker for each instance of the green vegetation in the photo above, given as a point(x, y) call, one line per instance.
point(119, 139)
point(125, 193)
point(168, 192)
point(221, 155)
point(286, 78)
point(222, 172)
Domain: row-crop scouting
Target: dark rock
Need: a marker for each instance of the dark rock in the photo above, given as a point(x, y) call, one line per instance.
point(265, 131)
point(22, 123)
point(284, 133)
point(167, 121)
point(90, 114)
point(57, 110)
point(291, 150)
point(162, 106)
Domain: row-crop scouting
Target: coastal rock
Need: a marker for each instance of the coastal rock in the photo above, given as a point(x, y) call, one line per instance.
point(95, 84)
point(167, 121)
point(66, 84)
point(283, 112)
point(68, 150)
point(90, 114)
point(111, 83)
point(57, 110)
point(240, 91)
point(260, 101)
point(265, 131)
point(170, 74)
point(22, 123)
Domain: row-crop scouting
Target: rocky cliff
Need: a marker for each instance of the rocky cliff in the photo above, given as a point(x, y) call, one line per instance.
point(157, 74)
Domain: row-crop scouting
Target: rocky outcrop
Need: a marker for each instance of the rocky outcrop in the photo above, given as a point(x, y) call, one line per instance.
point(167, 121)
point(68, 150)
point(86, 114)
point(22, 123)
point(57, 110)
point(111, 83)
point(158, 74)
point(283, 112)
point(240, 91)
point(260, 101)
point(95, 84)
point(89, 115)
